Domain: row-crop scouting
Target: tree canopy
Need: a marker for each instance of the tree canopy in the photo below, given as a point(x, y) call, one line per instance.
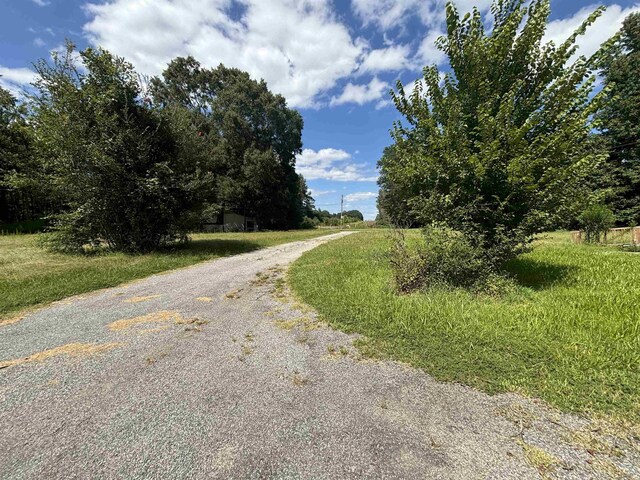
point(619, 119)
point(252, 138)
point(115, 162)
point(499, 147)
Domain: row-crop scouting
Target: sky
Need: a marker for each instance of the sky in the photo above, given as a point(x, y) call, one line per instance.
point(333, 60)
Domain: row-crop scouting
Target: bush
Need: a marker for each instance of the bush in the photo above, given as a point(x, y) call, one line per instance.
point(445, 258)
point(123, 169)
point(596, 221)
point(309, 223)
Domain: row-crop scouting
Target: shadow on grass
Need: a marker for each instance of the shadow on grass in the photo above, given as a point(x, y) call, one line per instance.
point(538, 275)
point(217, 247)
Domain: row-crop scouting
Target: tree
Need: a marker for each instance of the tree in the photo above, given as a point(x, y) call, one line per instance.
point(121, 168)
point(499, 147)
point(619, 120)
point(394, 196)
point(252, 138)
point(21, 196)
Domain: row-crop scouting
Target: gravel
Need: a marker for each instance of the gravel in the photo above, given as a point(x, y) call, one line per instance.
point(221, 374)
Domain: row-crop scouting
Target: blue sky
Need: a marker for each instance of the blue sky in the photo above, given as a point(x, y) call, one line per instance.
point(334, 60)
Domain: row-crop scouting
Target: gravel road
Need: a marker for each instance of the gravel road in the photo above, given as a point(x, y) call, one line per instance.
point(213, 371)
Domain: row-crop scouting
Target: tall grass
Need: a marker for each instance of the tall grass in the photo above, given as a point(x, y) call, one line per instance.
point(30, 275)
point(570, 333)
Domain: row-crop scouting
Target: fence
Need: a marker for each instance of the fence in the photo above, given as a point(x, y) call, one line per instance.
point(615, 236)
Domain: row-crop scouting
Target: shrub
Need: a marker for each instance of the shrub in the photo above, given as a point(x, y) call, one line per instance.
point(120, 165)
point(444, 258)
point(596, 221)
point(309, 223)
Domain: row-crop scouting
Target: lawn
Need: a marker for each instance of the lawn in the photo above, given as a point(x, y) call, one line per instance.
point(31, 276)
point(570, 334)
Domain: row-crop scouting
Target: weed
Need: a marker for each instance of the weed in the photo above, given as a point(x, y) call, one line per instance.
point(540, 459)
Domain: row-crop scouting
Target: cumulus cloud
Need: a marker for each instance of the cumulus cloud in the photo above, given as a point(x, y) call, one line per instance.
point(331, 164)
point(395, 57)
point(15, 79)
point(428, 54)
point(385, 13)
point(360, 196)
point(388, 14)
point(603, 29)
point(361, 94)
point(297, 46)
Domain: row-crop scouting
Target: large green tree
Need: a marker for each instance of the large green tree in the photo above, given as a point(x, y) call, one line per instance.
point(619, 120)
point(499, 146)
point(125, 173)
point(252, 138)
point(22, 197)
point(395, 197)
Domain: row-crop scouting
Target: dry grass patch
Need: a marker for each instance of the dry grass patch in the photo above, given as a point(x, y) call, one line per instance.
point(141, 299)
point(11, 321)
point(155, 317)
point(299, 380)
point(539, 458)
point(233, 294)
point(70, 350)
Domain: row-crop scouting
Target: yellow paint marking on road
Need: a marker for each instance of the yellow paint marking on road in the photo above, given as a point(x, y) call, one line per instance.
point(70, 350)
point(141, 299)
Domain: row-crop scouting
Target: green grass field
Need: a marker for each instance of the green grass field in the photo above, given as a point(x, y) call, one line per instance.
point(570, 334)
point(31, 276)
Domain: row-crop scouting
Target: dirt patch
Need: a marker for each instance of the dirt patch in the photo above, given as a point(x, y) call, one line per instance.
point(70, 350)
point(204, 299)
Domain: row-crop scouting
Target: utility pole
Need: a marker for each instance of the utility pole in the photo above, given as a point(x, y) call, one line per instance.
point(341, 207)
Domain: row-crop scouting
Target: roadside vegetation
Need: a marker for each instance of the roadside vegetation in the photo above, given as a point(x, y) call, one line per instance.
point(568, 331)
point(512, 140)
point(109, 159)
point(30, 275)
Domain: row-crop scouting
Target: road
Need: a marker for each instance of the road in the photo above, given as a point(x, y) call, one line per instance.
point(214, 371)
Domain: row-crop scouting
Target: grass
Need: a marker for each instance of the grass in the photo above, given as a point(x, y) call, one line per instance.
point(31, 276)
point(569, 334)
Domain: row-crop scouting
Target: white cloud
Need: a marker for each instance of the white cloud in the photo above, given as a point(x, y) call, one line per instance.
point(385, 13)
point(297, 46)
point(41, 3)
point(603, 29)
point(331, 164)
point(361, 94)
point(392, 58)
point(15, 79)
point(388, 14)
point(318, 193)
point(428, 54)
point(360, 196)
point(38, 42)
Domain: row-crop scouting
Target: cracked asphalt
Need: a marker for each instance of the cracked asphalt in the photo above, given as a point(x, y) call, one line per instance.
point(214, 371)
